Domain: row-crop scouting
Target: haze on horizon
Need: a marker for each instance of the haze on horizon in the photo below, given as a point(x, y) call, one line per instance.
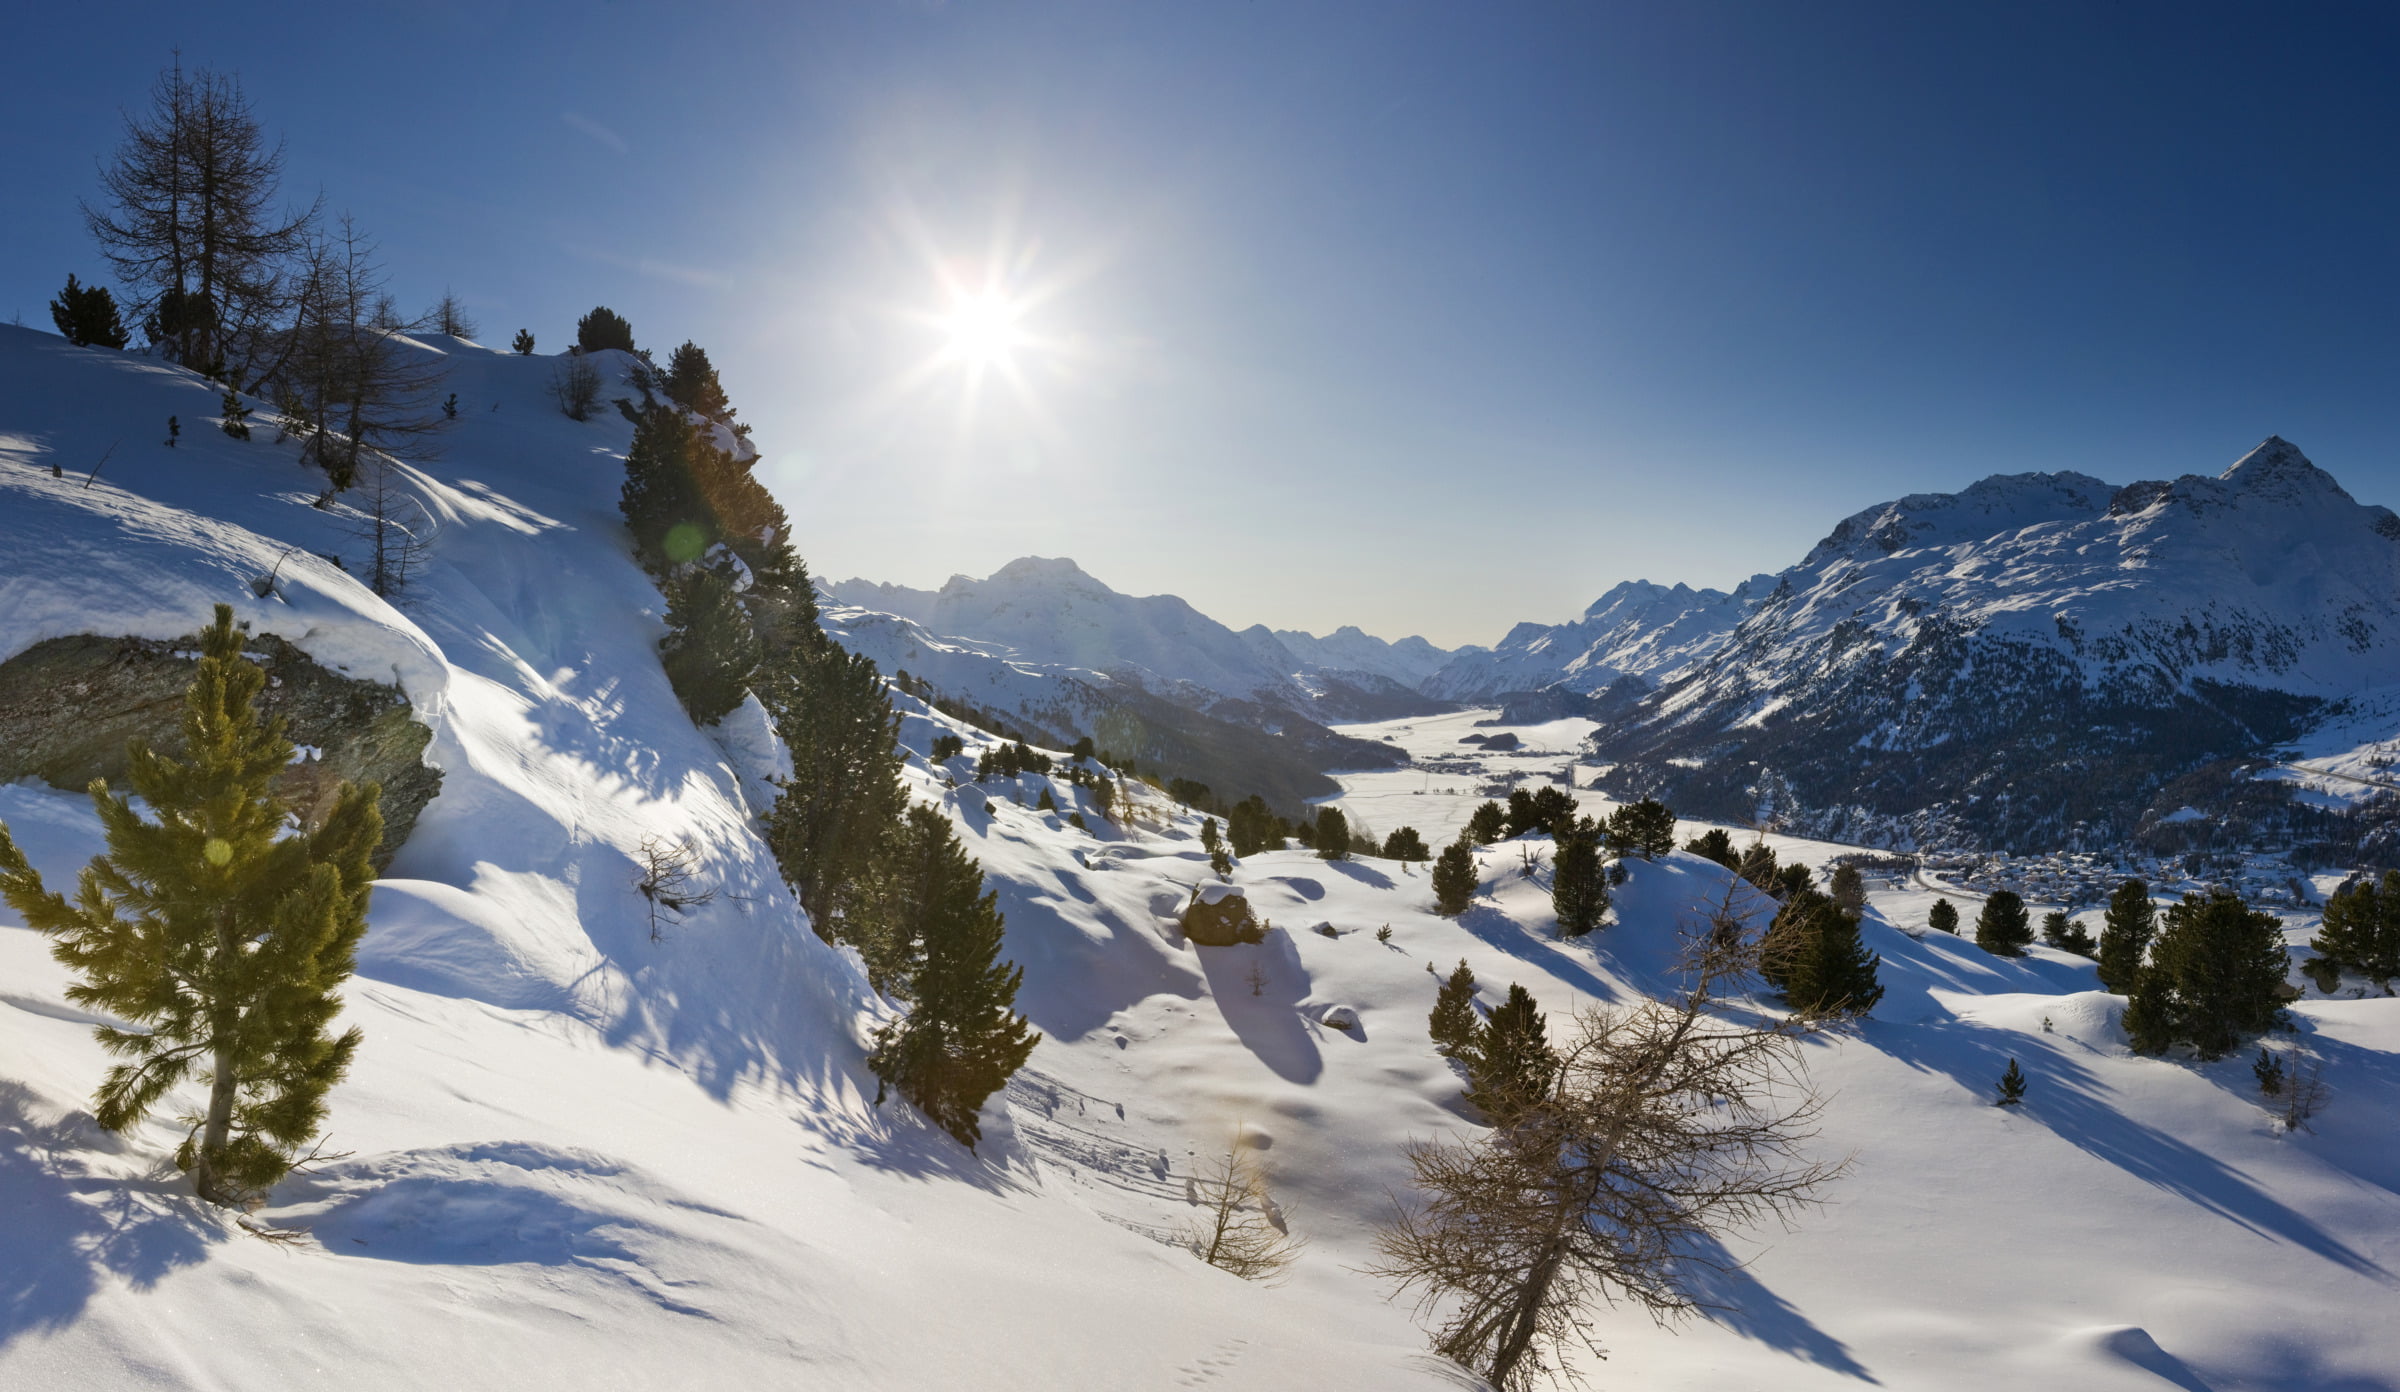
point(1403, 316)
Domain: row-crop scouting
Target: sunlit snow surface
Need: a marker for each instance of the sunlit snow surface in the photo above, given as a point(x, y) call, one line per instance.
point(573, 1157)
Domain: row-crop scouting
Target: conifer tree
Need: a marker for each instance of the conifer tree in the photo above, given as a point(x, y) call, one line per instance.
point(2012, 1086)
point(1942, 917)
point(1645, 828)
point(218, 930)
point(523, 343)
point(2149, 1016)
point(1815, 955)
point(86, 316)
point(1510, 1063)
point(1579, 882)
point(1332, 837)
point(1405, 844)
point(691, 382)
point(2361, 931)
point(1849, 890)
point(2125, 933)
point(1452, 1024)
point(1454, 880)
point(2224, 963)
point(710, 652)
point(844, 790)
point(1487, 823)
point(2003, 929)
point(603, 328)
point(1714, 844)
point(962, 1038)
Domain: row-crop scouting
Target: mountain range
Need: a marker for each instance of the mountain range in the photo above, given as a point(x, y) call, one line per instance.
point(2030, 659)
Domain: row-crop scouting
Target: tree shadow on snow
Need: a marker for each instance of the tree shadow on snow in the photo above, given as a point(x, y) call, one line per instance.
point(1734, 1298)
point(1263, 1010)
point(1496, 929)
point(2064, 1096)
point(66, 1225)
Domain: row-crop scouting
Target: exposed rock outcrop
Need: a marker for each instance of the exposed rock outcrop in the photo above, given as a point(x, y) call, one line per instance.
point(69, 706)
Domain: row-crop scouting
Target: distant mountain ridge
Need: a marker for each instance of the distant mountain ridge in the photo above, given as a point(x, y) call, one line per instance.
point(1637, 629)
point(1049, 611)
point(2030, 657)
point(1054, 652)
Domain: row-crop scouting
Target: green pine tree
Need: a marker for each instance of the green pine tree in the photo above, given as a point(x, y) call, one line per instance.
point(1579, 882)
point(1942, 917)
point(86, 316)
point(1332, 839)
point(1405, 844)
point(603, 328)
point(523, 343)
point(2225, 963)
point(2352, 935)
point(710, 652)
point(661, 498)
point(1452, 1023)
point(1510, 1064)
point(2126, 929)
point(1645, 828)
point(2004, 929)
point(1849, 890)
point(1815, 954)
point(691, 382)
point(961, 1039)
point(1714, 844)
point(2012, 1086)
point(2149, 1017)
point(1454, 880)
point(1487, 823)
point(220, 931)
point(832, 711)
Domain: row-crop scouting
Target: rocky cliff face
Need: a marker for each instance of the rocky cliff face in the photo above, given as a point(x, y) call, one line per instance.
point(69, 706)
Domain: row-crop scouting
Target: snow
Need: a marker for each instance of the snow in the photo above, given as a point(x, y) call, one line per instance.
point(573, 1156)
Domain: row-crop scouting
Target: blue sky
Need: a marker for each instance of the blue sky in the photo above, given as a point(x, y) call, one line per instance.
point(1427, 318)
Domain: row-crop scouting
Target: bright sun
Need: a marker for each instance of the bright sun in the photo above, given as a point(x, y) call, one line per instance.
point(983, 328)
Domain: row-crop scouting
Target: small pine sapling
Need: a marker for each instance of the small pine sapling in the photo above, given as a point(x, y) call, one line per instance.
point(1046, 803)
point(174, 431)
point(2012, 1086)
point(2268, 1069)
point(1075, 820)
point(1257, 977)
point(234, 415)
point(1384, 935)
point(523, 343)
point(1454, 880)
point(1452, 1024)
point(1218, 860)
point(450, 407)
point(220, 931)
point(1942, 917)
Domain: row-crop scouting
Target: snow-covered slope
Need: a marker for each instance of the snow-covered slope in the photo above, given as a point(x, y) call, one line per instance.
point(1638, 629)
point(578, 1157)
point(570, 1155)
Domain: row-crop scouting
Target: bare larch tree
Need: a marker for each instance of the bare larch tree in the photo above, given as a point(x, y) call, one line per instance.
point(1667, 1123)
